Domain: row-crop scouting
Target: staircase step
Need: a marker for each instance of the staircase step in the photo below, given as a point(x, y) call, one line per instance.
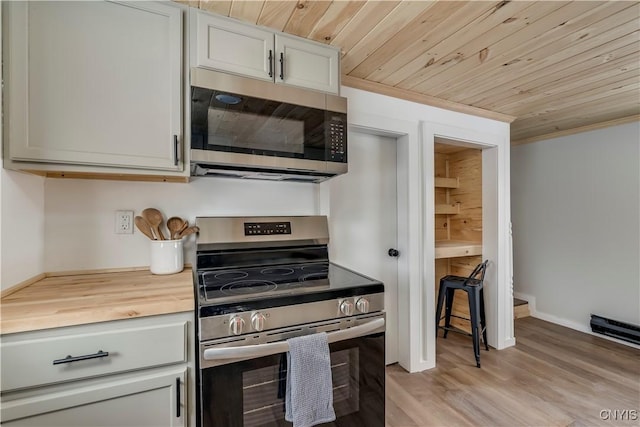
point(520, 308)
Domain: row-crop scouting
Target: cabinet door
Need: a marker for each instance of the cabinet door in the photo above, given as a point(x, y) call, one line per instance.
point(233, 47)
point(306, 64)
point(154, 400)
point(95, 83)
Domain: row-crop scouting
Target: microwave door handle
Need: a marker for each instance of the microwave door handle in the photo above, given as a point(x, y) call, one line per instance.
point(253, 351)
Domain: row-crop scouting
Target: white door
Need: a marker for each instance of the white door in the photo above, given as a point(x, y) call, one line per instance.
point(363, 220)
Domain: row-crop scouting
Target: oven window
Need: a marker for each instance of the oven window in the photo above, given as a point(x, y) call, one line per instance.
point(251, 393)
point(263, 389)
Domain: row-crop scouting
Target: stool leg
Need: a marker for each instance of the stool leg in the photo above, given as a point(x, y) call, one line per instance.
point(483, 320)
point(448, 309)
point(474, 309)
point(441, 293)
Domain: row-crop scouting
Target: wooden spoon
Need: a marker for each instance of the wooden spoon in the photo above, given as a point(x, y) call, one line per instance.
point(184, 226)
point(154, 218)
point(144, 227)
point(175, 225)
point(187, 231)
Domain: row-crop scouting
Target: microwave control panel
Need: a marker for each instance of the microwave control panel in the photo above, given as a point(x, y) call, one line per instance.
point(337, 141)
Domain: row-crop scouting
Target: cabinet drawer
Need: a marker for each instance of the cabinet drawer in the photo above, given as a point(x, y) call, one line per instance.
point(30, 362)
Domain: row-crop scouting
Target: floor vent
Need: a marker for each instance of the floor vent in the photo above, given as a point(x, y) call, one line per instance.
point(615, 329)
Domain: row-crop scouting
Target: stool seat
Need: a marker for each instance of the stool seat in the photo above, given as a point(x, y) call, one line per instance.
point(474, 287)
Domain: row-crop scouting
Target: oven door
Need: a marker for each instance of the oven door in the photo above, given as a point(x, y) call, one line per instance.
point(241, 390)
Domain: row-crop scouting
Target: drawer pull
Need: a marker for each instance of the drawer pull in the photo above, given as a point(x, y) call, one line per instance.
point(70, 358)
point(178, 397)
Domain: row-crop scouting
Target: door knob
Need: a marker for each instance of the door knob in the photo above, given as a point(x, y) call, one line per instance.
point(393, 252)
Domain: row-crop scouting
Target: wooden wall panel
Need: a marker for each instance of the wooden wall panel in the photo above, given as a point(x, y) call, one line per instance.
point(467, 166)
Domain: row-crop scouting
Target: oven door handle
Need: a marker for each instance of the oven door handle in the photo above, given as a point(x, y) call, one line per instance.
point(259, 350)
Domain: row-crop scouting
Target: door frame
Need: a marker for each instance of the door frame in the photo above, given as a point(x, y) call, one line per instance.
point(495, 222)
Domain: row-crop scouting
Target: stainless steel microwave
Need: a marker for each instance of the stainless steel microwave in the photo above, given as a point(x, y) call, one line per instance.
point(248, 128)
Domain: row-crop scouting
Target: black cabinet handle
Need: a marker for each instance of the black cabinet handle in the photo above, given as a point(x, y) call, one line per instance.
point(178, 397)
point(70, 358)
point(281, 65)
point(393, 252)
point(270, 63)
point(176, 157)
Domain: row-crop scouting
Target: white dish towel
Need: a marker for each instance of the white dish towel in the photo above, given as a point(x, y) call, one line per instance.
point(309, 394)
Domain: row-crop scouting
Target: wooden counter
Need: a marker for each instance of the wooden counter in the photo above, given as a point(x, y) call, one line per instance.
point(75, 299)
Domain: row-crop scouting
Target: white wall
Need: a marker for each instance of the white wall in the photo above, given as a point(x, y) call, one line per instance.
point(576, 225)
point(22, 225)
point(79, 224)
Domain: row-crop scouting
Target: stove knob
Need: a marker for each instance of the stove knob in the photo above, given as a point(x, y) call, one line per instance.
point(346, 307)
point(362, 305)
point(257, 321)
point(235, 325)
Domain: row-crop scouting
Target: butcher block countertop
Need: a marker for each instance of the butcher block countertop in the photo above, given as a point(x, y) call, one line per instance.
point(55, 300)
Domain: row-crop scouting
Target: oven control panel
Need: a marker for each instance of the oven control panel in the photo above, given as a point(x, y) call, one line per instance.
point(255, 321)
point(266, 228)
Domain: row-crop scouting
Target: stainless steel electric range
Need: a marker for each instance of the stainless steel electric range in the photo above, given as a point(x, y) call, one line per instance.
point(262, 280)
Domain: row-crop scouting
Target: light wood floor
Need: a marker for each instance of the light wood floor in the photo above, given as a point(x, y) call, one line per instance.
point(554, 376)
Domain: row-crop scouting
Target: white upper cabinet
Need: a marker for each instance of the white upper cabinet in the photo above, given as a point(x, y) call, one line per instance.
point(238, 49)
point(227, 45)
point(94, 83)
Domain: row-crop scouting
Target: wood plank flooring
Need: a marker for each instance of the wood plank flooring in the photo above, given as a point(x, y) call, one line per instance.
point(554, 376)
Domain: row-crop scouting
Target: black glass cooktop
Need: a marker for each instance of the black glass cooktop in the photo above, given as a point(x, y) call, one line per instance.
point(229, 290)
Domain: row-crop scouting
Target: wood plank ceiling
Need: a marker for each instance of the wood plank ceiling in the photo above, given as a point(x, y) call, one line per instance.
point(557, 67)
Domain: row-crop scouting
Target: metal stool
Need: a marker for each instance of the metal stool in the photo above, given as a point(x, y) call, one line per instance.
point(473, 286)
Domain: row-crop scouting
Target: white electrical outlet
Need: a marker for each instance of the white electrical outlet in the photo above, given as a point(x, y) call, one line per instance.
point(124, 222)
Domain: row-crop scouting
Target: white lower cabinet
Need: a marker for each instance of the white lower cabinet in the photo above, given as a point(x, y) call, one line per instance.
point(133, 372)
point(149, 400)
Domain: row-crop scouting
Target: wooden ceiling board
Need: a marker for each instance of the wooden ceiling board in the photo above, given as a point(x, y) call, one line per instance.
point(581, 74)
point(469, 68)
point(559, 48)
point(571, 86)
point(554, 66)
point(248, 10)
point(419, 25)
point(479, 48)
point(392, 23)
point(503, 13)
point(275, 14)
point(334, 20)
point(304, 17)
point(574, 130)
point(602, 110)
point(565, 101)
point(444, 28)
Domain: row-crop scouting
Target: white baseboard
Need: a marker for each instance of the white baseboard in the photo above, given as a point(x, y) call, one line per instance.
point(586, 328)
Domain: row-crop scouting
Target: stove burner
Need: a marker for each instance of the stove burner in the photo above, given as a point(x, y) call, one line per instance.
point(231, 275)
point(277, 271)
point(313, 276)
point(245, 287)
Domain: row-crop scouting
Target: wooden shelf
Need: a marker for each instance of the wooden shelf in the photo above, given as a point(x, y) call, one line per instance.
point(452, 209)
point(446, 182)
point(457, 248)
